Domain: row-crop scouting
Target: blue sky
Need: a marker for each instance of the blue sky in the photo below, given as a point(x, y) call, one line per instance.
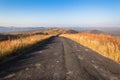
point(60, 13)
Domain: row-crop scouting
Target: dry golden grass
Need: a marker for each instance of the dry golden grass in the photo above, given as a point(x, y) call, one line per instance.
point(15, 46)
point(106, 45)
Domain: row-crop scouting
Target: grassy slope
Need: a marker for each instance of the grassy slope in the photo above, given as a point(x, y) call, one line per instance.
point(16, 42)
point(9, 47)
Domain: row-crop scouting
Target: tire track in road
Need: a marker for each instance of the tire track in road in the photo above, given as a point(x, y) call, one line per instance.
point(93, 66)
point(76, 70)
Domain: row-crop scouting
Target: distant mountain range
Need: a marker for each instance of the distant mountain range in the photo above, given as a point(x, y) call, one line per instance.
point(96, 30)
point(14, 29)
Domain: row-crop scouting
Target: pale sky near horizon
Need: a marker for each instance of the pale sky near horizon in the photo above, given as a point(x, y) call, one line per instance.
point(60, 13)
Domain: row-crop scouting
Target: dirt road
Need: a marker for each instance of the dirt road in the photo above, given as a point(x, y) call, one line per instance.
point(60, 59)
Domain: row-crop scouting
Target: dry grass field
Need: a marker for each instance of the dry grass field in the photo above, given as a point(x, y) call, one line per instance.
point(106, 45)
point(8, 47)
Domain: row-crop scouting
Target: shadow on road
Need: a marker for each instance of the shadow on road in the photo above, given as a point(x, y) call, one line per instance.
point(17, 63)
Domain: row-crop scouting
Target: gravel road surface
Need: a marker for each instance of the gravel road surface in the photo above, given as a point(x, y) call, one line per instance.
point(60, 59)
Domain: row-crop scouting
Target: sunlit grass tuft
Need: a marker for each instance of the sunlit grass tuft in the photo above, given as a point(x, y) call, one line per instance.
point(106, 45)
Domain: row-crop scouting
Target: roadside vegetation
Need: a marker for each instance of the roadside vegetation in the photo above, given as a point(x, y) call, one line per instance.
point(106, 45)
point(9, 47)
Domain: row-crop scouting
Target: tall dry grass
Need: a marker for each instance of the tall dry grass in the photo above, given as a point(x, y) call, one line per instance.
point(106, 45)
point(15, 46)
